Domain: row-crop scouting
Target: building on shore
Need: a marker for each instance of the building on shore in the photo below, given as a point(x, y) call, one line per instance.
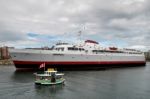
point(4, 54)
point(147, 55)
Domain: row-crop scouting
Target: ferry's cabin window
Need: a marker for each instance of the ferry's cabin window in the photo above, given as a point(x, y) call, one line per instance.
point(106, 51)
point(72, 48)
point(98, 51)
point(75, 48)
point(60, 49)
point(81, 49)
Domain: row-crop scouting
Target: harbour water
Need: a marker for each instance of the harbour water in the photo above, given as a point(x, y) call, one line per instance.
point(117, 83)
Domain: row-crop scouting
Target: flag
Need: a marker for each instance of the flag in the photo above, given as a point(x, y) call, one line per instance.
point(42, 65)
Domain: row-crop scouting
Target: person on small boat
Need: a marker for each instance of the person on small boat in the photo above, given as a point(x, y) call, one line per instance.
point(53, 77)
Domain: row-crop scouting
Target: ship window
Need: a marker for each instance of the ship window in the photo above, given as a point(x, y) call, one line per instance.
point(72, 48)
point(94, 50)
point(75, 48)
point(69, 48)
point(101, 50)
point(80, 49)
point(60, 49)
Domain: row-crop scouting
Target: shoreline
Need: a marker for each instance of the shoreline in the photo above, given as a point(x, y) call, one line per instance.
point(6, 62)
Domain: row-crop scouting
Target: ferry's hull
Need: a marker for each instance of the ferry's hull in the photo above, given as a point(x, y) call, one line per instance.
point(74, 65)
point(48, 82)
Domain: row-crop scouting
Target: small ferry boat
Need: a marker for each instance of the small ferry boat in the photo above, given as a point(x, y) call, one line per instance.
point(49, 77)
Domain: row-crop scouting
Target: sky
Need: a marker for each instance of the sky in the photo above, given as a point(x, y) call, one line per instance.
point(37, 23)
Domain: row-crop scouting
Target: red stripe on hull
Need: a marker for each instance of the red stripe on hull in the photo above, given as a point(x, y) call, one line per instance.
point(79, 63)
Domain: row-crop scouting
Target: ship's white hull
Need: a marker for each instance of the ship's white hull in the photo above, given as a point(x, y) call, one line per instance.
point(33, 58)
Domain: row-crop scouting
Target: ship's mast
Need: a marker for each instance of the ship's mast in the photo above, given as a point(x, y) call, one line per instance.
point(80, 33)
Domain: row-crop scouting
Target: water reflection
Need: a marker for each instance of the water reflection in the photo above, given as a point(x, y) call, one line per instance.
point(23, 76)
point(48, 90)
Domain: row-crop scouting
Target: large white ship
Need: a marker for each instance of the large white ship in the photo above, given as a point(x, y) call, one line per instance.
point(83, 55)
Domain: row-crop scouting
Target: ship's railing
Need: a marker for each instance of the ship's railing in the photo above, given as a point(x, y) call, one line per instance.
point(117, 51)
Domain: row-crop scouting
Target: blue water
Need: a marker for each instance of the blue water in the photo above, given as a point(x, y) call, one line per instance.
point(117, 83)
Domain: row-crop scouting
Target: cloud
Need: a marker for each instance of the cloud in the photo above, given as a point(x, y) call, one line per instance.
point(119, 22)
